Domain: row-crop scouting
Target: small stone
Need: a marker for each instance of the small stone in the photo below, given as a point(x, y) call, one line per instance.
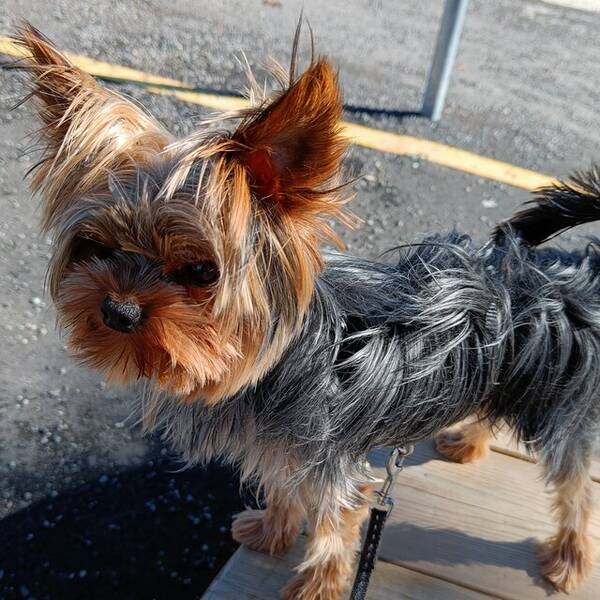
point(36, 301)
point(489, 203)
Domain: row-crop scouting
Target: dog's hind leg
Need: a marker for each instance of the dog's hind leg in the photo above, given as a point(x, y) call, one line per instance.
point(566, 559)
point(466, 443)
point(272, 530)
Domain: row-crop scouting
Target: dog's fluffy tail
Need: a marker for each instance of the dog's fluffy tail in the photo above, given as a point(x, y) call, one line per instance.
point(555, 209)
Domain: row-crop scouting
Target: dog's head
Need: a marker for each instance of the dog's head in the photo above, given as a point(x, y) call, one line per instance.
point(189, 262)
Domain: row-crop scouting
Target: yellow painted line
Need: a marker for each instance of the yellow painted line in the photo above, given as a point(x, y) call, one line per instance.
point(447, 156)
point(113, 72)
point(368, 137)
point(96, 67)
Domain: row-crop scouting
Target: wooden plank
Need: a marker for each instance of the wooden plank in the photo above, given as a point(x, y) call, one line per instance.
point(252, 576)
point(475, 525)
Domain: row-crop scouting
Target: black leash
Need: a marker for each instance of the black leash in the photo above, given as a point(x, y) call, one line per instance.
point(379, 514)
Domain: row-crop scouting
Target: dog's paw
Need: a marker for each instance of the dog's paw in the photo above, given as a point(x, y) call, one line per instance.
point(566, 562)
point(249, 528)
point(456, 446)
point(315, 585)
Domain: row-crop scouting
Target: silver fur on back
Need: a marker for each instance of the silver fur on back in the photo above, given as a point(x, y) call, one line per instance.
point(392, 353)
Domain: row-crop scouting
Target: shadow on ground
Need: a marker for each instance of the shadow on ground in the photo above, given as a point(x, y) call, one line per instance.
point(450, 547)
point(150, 532)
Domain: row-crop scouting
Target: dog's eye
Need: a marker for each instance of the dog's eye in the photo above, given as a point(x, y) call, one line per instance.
point(85, 248)
point(200, 273)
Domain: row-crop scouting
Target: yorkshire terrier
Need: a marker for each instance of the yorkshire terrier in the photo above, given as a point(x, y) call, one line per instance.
point(196, 265)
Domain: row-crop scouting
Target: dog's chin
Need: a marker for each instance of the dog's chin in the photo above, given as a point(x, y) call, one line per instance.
point(183, 370)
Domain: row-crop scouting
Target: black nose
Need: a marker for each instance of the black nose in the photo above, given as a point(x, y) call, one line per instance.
point(121, 316)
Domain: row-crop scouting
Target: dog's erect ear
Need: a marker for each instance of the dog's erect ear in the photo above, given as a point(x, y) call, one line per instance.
point(87, 131)
point(292, 146)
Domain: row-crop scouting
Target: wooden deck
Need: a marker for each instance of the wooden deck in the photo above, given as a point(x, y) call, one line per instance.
point(457, 531)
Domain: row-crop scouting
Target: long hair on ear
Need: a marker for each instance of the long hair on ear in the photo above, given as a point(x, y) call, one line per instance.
point(87, 130)
point(276, 181)
point(289, 144)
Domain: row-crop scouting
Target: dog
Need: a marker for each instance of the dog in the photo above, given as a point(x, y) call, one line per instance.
point(196, 265)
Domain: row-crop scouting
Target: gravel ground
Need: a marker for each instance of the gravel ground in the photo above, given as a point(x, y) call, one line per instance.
point(72, 469)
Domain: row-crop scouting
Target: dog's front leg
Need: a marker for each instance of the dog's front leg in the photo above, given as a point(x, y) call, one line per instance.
point(328, 563)
point(272, 530)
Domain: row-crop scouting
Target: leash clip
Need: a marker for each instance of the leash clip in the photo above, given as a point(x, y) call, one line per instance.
point(393, 466)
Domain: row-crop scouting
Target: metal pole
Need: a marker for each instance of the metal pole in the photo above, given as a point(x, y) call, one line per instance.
point(443, 58)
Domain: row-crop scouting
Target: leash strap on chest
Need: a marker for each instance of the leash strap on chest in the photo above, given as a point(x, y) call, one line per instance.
point(379, 514)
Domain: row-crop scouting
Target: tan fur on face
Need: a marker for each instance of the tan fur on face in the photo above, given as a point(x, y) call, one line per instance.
point(257, 202)
point(196, 351)
point(567, 558)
